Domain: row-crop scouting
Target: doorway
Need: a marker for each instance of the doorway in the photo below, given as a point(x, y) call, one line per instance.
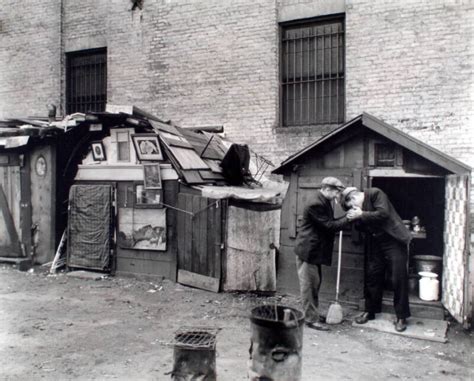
point(420, 202)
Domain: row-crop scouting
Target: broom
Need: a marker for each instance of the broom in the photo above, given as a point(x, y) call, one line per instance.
point(334, 315)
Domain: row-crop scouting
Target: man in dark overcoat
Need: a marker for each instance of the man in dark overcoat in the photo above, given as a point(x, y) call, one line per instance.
point(314, 246)
point(387, 247)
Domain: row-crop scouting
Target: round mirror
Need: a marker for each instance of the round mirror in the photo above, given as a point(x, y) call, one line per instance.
point(40, 166)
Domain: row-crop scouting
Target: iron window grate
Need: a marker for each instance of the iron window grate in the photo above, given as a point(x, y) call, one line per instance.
point(312, 73)
point(86, 81)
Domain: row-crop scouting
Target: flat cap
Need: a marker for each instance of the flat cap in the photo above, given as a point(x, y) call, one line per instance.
point(346, 192)
point(333, 182)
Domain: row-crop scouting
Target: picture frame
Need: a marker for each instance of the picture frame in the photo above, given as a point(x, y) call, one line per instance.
point(152, 176)
point(147, 198)
point(98, 151)
point(147, 146)
point(142, 229)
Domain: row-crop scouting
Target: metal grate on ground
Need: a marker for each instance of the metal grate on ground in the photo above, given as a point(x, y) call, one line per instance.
point(195, 337)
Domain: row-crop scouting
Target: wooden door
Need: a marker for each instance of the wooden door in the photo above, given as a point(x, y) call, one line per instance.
point(15, 222)
point(352, 264)
point(301, 192)
point(456, 248)
point(200, 233)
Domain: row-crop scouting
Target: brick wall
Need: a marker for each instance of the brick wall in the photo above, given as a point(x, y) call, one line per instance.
point(215, 62)
point(29, 57)
point(410, 63)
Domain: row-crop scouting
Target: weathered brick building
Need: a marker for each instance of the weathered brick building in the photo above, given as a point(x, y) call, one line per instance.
point(218, 62)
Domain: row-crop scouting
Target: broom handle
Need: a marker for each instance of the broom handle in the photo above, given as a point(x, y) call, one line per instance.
point(339, 257)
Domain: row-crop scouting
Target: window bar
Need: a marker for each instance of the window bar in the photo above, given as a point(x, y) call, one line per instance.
point(97, 84)
point(323, 53)
point(337, 75)
point(96, 78)
point(307, 83)
point(300, 84)
point(294, 81)
point(286, 99)
point(330, 117)
point(91, 82)
point(104, 80)
point(75, 82)
point(100, 86)
point(315, 69)
point(80, 87)
point(68, 85)
point(88, 83)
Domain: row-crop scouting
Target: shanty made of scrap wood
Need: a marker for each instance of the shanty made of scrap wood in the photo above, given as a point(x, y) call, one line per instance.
point(430, 191)
point(125, 192)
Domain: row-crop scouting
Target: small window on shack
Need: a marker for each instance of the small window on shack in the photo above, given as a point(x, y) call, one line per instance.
point(312, 72)
point(385, 155)
point(123, 146)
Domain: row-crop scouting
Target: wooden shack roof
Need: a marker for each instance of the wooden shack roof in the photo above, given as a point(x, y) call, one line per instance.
point(196, 160)
point(389, 132)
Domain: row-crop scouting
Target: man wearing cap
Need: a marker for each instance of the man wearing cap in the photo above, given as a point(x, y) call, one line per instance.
point(387, 243)
point(314, 245)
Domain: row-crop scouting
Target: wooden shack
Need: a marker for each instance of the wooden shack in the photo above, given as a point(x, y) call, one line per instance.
point(420, 181)
point(149, 198)
point(28, 185)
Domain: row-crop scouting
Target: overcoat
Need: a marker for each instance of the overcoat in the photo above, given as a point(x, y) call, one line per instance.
point(380, 216)
point(315, 238)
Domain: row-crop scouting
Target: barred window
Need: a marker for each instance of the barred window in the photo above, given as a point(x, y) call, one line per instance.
point(312, 72)
point(86, 81)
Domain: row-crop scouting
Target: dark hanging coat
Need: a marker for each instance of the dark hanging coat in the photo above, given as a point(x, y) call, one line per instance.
point(315, 238)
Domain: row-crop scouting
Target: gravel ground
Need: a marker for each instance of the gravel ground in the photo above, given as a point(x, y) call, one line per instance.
point(56, 327)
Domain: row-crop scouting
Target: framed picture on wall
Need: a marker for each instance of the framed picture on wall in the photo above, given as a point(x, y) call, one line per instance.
point(147, 146)
point(142, 229)
point(152, 176)
point(98, 151)
point(147, 198)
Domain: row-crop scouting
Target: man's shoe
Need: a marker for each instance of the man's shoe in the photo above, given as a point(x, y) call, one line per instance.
point(401, 325)
point(317, 326)
point(364, 318)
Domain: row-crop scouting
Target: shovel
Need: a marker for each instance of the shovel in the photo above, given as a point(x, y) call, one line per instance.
point(334, 315)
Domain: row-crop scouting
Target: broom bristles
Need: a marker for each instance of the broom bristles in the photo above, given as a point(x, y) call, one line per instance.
point(334, 315)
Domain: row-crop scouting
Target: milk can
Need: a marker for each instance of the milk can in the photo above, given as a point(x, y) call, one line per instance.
point(429, 286)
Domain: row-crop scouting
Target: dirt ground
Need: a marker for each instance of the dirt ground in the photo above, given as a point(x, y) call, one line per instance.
point(63, 328)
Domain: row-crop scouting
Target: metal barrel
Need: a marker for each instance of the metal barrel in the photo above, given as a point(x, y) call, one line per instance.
point(276, 343)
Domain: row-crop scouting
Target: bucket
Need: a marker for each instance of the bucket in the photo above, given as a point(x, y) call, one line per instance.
point(428, 263)
point(276, 343)
point(194, 355)
point(429, 286)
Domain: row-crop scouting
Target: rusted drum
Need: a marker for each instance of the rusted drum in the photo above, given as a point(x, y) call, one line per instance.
point(276, 343)
point(194, 356)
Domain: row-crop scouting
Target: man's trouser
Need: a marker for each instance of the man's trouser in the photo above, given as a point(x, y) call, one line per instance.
point(386, 253)
point(310, 282)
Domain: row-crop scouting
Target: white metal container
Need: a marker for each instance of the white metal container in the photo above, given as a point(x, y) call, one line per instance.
point(429, 286)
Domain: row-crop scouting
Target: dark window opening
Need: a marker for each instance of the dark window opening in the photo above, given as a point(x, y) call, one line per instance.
point(384, 155)
point(312, 72)
point(86, 81)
